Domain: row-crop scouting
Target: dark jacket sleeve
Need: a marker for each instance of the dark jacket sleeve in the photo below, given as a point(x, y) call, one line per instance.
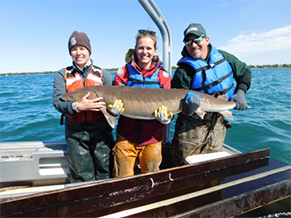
point(59, 89)
point(242, 73)
point(183, 77)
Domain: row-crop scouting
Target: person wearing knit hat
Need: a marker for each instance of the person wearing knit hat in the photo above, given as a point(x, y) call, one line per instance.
point(209, 70)
point(88, 135)
point(80, 39)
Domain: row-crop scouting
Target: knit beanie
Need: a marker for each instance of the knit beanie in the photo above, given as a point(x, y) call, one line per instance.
point(79, 39)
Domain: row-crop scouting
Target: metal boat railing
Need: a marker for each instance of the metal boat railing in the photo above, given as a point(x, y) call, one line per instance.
point(157, 16)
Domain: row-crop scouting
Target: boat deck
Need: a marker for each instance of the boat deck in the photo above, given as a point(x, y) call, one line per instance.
point(222, 187)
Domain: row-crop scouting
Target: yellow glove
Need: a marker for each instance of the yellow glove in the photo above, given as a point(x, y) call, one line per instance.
point(163, 116)
point(116, 108)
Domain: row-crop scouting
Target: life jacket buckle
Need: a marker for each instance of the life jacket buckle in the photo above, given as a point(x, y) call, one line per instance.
point(211, 65)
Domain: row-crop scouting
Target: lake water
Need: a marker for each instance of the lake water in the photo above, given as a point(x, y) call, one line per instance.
point(27, 114)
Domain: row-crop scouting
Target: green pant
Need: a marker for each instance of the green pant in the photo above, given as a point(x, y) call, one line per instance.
point(196, 136)
point(90, 156)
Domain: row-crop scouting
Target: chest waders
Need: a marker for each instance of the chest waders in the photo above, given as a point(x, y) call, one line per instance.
point(88, 135)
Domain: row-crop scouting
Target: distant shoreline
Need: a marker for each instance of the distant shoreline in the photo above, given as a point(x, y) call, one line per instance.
point(276, 66)
point(42, 73)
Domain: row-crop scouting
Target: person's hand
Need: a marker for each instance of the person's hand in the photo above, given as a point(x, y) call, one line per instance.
point(116, 108)
point(239, 98)
point(163, 116)
point(90, 105)
point(190, 103)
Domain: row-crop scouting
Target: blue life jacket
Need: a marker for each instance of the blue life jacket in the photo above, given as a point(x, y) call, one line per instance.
point(136, 79)
point(215, 78)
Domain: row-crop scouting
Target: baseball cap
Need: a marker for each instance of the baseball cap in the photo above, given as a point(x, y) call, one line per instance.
point(196, 29)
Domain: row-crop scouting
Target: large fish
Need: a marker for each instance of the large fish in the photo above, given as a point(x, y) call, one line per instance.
point(140, 103)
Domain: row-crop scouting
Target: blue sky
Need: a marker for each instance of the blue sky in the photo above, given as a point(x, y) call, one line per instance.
point(34, 33)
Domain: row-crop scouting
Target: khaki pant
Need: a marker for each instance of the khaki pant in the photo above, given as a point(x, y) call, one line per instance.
point(196, 136)
point(126, 152)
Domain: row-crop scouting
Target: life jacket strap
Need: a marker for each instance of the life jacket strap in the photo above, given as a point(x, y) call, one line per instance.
point(222, 92)
point(204, 86)
point(62, 119)
point(210, 85)
point(210, 65)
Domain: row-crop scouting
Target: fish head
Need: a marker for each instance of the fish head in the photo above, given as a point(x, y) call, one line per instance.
point(77, 95)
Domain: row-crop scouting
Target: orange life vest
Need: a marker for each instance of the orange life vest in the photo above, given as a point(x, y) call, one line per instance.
point(74, 81)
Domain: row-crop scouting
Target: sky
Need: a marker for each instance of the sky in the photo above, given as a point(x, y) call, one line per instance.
point(34, 33)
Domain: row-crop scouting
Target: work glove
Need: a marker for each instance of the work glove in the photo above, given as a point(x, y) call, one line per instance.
point(116, 108)
point(190, 103)
point(163, 116)
point(239, 98)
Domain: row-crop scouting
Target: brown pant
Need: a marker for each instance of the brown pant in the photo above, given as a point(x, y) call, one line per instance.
point(126, 152)
point(196, 136)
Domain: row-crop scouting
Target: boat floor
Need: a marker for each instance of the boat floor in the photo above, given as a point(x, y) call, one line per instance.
point(280, 208)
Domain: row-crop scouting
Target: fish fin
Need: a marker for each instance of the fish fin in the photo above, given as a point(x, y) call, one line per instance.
point(110, 119)
point(227, 114)
point(200, 113)
point(222, 97)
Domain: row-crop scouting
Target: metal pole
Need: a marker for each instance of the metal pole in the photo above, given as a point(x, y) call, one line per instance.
point(156, 15)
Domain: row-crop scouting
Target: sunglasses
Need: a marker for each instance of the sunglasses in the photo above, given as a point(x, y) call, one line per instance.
point(196, 40)
point(149, 31)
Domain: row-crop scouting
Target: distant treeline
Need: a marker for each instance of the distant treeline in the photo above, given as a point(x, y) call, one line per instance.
point(40, 73)
point(173, 68)
point(27, 73)
point(271, 66)
point(262, 66)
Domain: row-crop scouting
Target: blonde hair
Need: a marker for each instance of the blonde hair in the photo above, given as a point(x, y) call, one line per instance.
point(146, 34)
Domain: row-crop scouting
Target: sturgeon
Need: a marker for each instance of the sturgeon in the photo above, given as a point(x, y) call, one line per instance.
point(140, 103)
